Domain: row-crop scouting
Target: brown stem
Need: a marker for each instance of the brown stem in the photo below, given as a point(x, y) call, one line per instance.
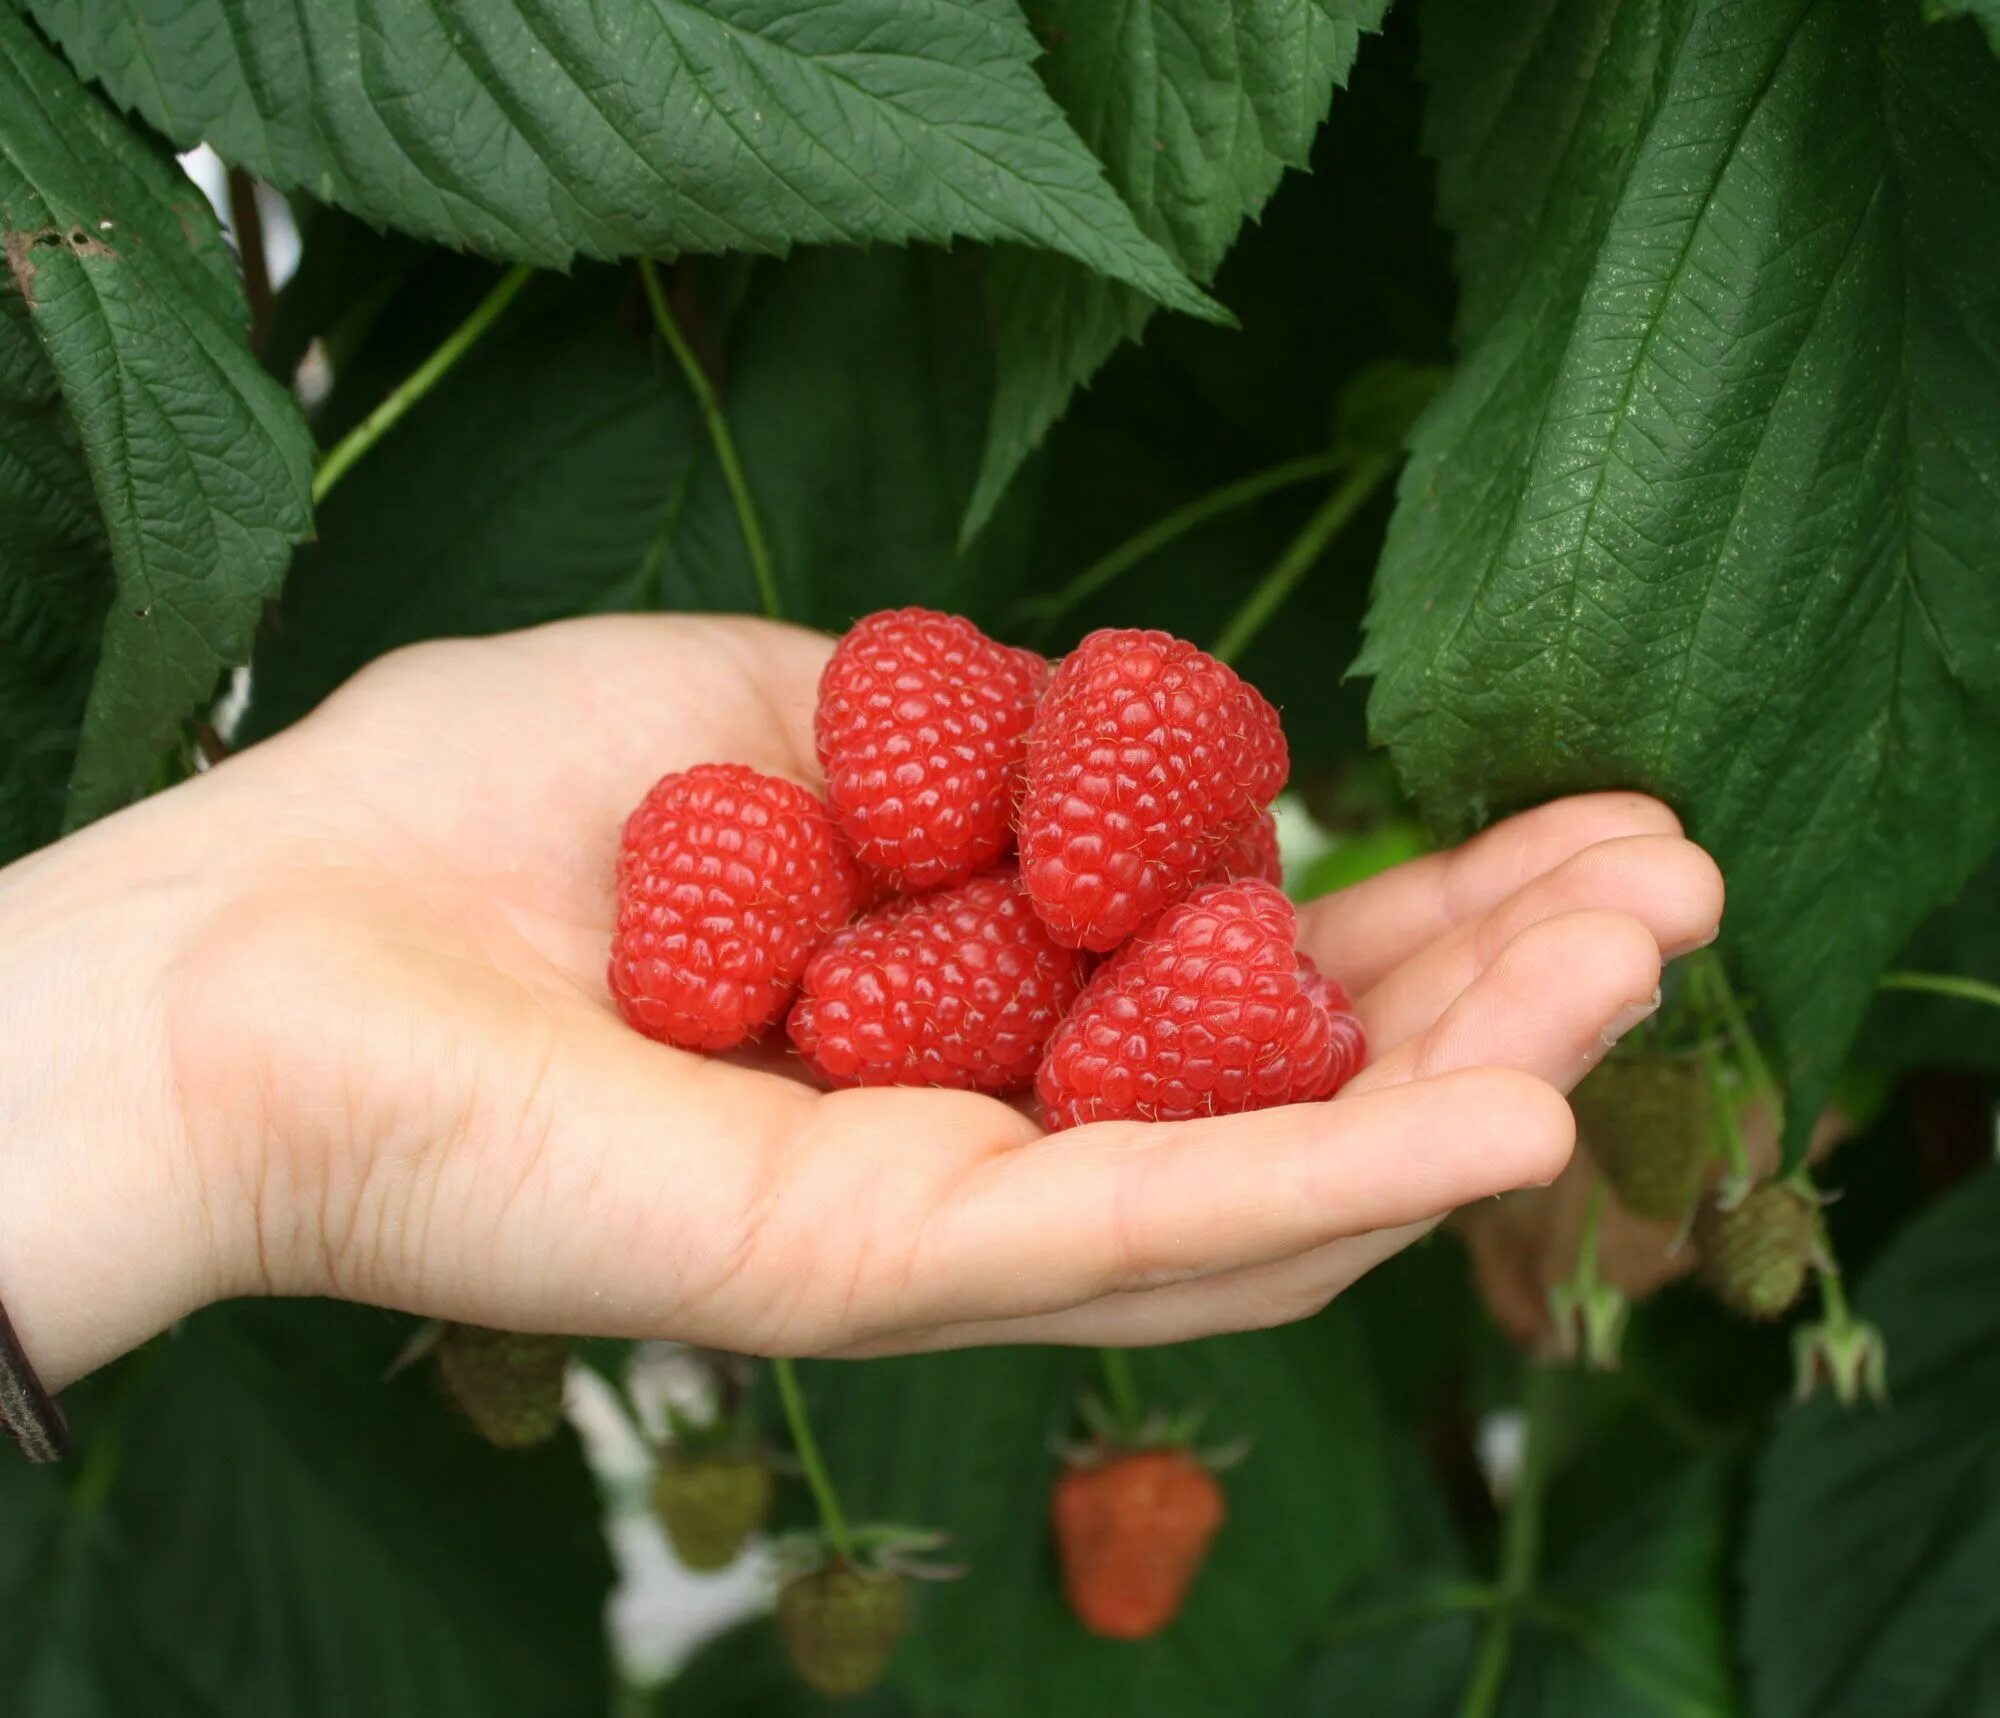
point(247, 221)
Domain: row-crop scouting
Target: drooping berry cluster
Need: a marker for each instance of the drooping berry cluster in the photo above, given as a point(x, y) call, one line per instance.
point(1135, 778)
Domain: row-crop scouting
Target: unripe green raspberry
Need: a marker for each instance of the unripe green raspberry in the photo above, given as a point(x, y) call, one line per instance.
point(510, 1386)
point(1646, 1122)
point(1754, 1256)
point(710, 1505)
point(840, 1626)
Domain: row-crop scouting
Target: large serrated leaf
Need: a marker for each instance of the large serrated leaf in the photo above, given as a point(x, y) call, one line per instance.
point(1196, 107)
point(200, 463)
point(1710, 506)
point(1630, 1623)
point(261, 1526)
point(55, 582)
point(534, 483)
point(531, 130)
point(1869, 1570)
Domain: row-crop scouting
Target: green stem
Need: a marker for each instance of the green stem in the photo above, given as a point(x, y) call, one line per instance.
point(1520, 1549)
point(1724, 999)
point(1122, 1386)
point(1593, 1223)
point(718, 434)
point(418, 383)
point(1943, 984)
point(831, 1516)
point(1348, 499)
point(1832, 1292)
point(1046, 610)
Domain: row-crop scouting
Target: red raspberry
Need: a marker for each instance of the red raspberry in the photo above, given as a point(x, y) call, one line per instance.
point(922, 726)
point(1145, 755)
point(1249, 850)
point(959, 988)
point(728, 879)
point(1211, 1012)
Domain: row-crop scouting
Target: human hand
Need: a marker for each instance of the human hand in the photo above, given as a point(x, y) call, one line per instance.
point(332, 1019)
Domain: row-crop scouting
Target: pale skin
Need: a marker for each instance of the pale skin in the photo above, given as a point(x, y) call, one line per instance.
point(332, 1020)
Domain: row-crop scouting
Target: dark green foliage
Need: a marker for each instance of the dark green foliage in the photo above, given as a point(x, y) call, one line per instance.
point(1702, 296)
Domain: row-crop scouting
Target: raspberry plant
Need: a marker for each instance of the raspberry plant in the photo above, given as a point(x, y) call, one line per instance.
point(1613, 384)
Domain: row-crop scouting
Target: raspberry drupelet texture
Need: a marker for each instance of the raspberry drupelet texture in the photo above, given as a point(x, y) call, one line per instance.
point(1249, 849)
point(1146, 758)
point(922, 727)
point(728, 879)
point(1211, 1012)
point(958, 988)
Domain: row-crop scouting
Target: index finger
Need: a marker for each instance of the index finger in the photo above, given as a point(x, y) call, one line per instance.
point(1363, 933)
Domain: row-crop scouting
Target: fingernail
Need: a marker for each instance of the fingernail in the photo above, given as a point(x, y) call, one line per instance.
point(1629, 1016)
point(1676, 950)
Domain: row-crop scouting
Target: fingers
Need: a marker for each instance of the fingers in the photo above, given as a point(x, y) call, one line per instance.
point(1667, 884)
point(1363, 933)
point(1118, 1207)
point(1540, 1015)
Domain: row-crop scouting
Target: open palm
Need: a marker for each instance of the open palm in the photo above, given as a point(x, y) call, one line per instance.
point(392, 1039)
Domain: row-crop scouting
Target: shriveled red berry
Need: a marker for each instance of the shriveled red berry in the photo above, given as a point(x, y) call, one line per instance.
point(1132, 1529)
point(728, 879)
point(1211, 1012)
point(958, 988)
point(922, 727)
point(1146, 757)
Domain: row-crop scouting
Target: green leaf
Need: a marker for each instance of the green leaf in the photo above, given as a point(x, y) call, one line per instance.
point(963, 1442)
point(200, 463)
point(1196, 108)
point(1909, 1029)
point(55, 583)
point(259, 1525)
point(1631, 1623)
point(1710, 505)
point(532, 483)
point(853, 385)
point(1869, 1570)
point(535, 131)
point(1987, 12)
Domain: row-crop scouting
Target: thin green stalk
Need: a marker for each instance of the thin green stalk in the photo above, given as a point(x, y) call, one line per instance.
point(1122, 1387)
point(418, 383)
point(1943, 984)
point(1832, 1292)
point(1046, 610)
point(1723, 998)
point(1351, 495)
point(1520, 1549)
point(831, 1516)
point(718, 434)
point(1593, 1225)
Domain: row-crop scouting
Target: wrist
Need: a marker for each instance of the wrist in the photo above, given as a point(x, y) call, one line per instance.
point(107, 1233)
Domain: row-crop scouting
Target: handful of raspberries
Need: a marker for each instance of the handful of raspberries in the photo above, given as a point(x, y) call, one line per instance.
point(1136, 961)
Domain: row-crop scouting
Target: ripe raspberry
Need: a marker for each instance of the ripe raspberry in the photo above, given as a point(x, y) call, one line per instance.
point(1145, 756)
point(1646, 1120)
point(510, 1386)
point(1211, 1012)
point(1755, 1255)
point(840, 1626)
point(727, 881)
point(1249, 849)
point(1131, 1532)
point(959, 988)
point(710, 1502)
point(922, 727)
